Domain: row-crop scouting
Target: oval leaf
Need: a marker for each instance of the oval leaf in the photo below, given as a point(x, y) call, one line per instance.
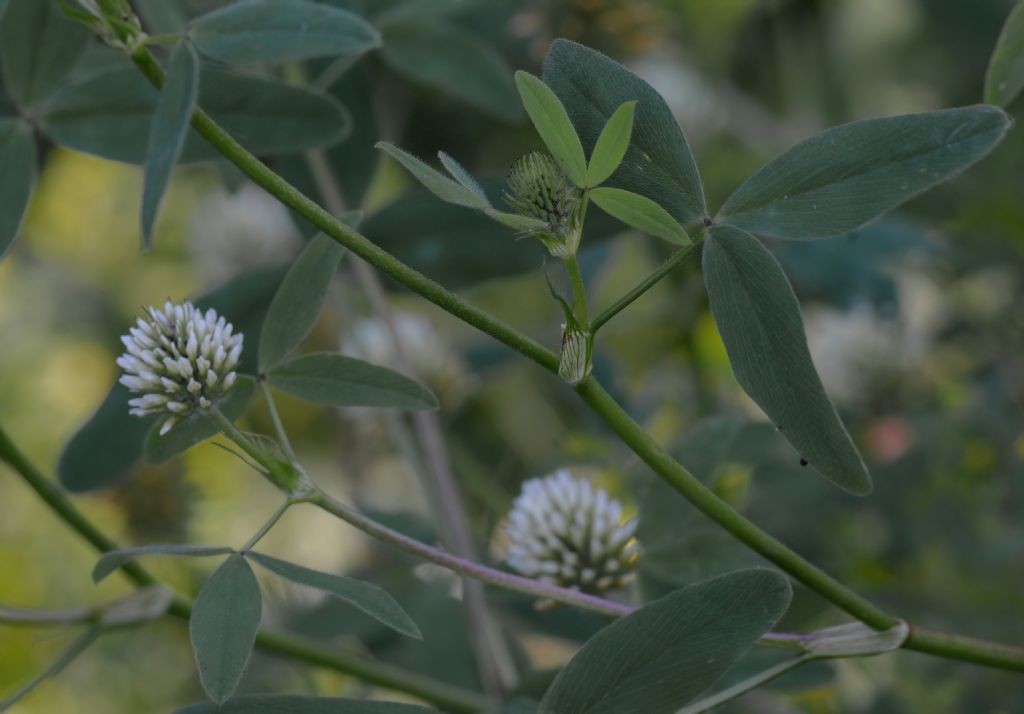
point(759, 319)
point(281, 31)
point(367, 597)
point(552, 123)
point(325, 378)
point(639, 212)
point(658, 163)
point(842, 178)
point(167, 132)
point(225, 618)
point(663, 655)
point(114, 559)
point(38, 48)
point(1005, 76)
point(108, 113)
point(451, 60)
point(291, 704)
point(611, 145)
point(299, 300)
point(197, 427)
point(17, 178)
point(438, 184)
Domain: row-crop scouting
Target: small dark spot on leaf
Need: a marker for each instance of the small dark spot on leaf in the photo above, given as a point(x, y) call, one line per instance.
point(803, 462)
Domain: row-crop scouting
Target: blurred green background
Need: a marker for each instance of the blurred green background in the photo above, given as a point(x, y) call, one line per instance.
point(914, 323)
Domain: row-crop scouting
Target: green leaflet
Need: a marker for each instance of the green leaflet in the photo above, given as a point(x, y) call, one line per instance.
point(438, 184)
point(17, 178)
point(842, 178)
point(334, 380)
point(225, 619)
point(108, 113)
point(552, 123)
point(167, 132)
point(453, 61)
point(639, 212)
point(611, 145)
point(367, 597)
point(1005, 76)
point(759, 319)
point(666, 653)
point(281, 31)
point(658, 163)
point(114, 559)
point(299, 300)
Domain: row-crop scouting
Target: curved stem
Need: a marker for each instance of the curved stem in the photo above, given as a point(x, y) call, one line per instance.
point(646, 284)
point(282, 435)
point(579, 292)
point(446, 696)
point(666, 467)
point(467, 567)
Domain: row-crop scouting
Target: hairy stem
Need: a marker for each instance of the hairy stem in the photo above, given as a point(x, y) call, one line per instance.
point(666, 467)
point(448, 697)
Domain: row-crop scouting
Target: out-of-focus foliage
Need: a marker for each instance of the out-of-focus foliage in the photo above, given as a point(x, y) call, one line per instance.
point(912, 323)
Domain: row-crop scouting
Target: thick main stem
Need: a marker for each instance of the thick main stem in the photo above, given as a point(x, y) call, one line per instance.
point(590, 390)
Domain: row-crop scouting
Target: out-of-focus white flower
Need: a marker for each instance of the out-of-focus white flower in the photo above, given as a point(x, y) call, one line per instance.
point(564, 531)
point(179, 360)
point(235, 232)
point(427, 355)
point(857, 348)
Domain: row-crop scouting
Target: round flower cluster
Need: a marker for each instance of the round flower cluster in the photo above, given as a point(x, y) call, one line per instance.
point(538, 188)
point(179, 360)
point(564, 531)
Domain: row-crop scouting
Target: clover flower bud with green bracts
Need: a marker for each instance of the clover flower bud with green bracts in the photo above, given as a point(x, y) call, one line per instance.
point(538, 188)
point(564, 531)
point(575, 362)
point(179, 360)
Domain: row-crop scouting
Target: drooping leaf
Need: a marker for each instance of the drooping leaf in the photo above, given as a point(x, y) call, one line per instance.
point(640, 212)
point(462, 176)
point(1005, 76)
point(365, 596)
point(38, 48)
point(658, 163)
point(668, 652)
point(334, 380)
point(108, 113)
point(842, 178)
point(292, 704)
point(114, 559)
point(103, 451)
point(438, 184)
point(298, 301)
point(759, 319)
point(17, 178)
point(225, 618)
point(611, 145)
point(446, 58)
point(517, 222)
point(281, 31)
point(167, 132)
point(552, 123)
point(196, 428)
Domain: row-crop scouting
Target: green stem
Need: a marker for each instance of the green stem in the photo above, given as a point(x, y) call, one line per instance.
point(77, 647)
point(271, 522)
point(741, 688)
point(590, 390)
point(579, 292)
point(443, 695)
point(282, 435)
point(649, 282)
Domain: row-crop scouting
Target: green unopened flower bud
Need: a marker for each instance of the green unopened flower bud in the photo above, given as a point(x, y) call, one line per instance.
point(538, 188)
point(577, 348)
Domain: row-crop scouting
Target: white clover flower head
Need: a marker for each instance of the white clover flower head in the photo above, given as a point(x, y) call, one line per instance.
point(179, 360)
point(564, 531)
